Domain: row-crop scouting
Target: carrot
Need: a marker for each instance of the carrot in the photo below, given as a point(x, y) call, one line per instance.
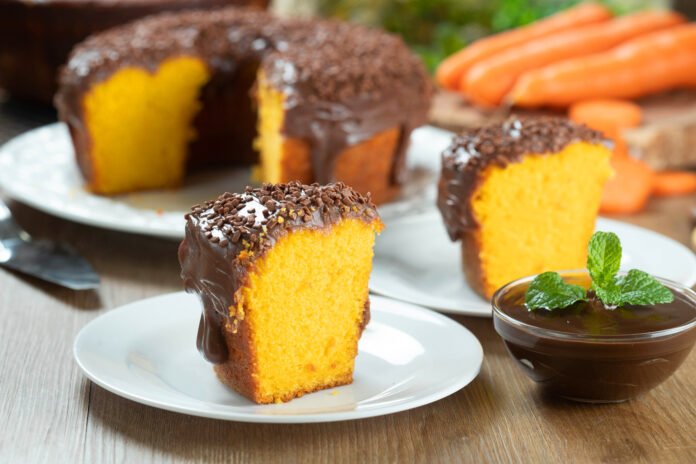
point(649, 64)
point(609, 117)
point(669, 183)
point(628, 191)
point(450, 71)
point(489, 81)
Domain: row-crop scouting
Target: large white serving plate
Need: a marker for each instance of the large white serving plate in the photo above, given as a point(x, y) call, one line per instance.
point(407, 357)
point(38, 168)
point(415, 261)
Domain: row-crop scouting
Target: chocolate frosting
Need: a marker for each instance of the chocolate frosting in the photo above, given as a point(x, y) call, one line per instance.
point(224, 238)
point(471, 152)
point(343, 82)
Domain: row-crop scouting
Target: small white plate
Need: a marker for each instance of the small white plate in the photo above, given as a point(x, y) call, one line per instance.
point(146, 351)
point(38, 168)
point(415, 261)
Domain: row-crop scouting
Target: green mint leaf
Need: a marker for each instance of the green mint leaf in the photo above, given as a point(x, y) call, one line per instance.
point(550, 291)
point(640, 288)
point(610, 294)
point(603, 259)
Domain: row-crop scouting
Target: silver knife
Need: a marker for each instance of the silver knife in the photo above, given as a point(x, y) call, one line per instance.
point(51, 261)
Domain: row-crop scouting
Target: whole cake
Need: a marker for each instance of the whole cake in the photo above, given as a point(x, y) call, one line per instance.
point(36, 36)
point(522, 196)
point(282, 273)
point(320, 101)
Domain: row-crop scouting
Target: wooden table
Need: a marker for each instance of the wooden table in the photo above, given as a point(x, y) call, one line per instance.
point(51, 413)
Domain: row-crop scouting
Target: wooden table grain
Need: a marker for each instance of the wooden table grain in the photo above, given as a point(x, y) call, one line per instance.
point(51, 413)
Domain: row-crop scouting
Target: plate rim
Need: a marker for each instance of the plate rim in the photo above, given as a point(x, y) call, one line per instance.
point(464, 380)
point(149, 226)
point(147, 229)
point(691, 282)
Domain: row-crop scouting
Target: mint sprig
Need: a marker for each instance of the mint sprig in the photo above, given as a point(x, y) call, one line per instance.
point(550, 291)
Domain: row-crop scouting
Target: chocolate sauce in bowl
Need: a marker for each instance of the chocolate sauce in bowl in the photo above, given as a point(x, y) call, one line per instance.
point(591, 353)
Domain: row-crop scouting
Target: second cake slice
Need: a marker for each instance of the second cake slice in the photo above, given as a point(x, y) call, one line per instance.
point(522, 197)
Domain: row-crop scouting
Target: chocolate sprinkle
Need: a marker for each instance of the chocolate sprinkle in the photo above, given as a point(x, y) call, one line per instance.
point(471, 152)
point(252, 217)
point(220, 248)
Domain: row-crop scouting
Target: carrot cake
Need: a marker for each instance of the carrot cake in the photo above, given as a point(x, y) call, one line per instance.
point(303, 99)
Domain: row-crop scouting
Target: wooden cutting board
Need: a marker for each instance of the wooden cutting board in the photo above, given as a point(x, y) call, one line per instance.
point(665, 140)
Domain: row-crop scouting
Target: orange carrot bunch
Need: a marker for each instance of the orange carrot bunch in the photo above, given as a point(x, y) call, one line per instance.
point(449, 73)
point(578, 54)
point(454, 69)
point(649, 64)
point(489, 81)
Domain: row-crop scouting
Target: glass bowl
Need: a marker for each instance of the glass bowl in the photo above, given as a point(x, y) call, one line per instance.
point(587, 367)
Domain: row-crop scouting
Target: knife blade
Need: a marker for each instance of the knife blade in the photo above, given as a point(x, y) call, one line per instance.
point(48, 260)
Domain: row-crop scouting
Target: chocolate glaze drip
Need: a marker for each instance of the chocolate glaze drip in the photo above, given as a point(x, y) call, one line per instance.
point(226, 236)
point(343, 83)
point(471, 152)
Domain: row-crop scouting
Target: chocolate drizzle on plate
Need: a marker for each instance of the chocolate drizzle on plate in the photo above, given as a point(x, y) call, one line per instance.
point(224, 237)
point(471, 152)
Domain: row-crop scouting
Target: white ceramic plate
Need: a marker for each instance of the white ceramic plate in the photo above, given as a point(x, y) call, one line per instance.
point(429, 272)
point(145, 351)
point(38, 168)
